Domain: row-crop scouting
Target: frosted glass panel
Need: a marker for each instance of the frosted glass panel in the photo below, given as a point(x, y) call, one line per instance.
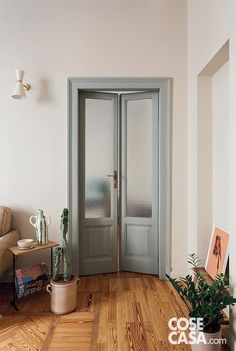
point(139, 158)
point(98, 158)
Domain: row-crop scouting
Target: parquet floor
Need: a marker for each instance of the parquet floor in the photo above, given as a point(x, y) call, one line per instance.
point(116, 312)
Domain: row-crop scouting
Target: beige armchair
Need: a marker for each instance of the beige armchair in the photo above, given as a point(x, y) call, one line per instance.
point(8, 238)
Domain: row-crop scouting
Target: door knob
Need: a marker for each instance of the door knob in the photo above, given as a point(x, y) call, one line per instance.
point(115, 177)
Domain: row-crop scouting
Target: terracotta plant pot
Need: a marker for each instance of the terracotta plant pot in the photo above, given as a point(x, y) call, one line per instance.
point(209, 347)
point(63, 296)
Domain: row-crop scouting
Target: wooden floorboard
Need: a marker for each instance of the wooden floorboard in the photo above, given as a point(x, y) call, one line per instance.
point(115, 312)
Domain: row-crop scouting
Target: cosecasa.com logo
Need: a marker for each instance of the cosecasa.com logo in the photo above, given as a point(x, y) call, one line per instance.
point(189, 331)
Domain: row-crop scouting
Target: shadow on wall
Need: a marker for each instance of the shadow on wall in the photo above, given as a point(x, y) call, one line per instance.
point(44, 91)
point(20, 222)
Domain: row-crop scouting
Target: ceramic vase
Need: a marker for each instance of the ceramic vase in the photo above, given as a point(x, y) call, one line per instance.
point(41, 223)
point(208, 346)
point(63, 296)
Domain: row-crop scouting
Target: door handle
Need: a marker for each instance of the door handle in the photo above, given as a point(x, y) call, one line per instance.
point(115, 177)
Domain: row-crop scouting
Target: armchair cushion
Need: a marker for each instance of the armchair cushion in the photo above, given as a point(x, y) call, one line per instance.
point(5, 220)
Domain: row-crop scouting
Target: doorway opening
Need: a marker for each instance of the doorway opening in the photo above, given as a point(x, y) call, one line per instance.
point(119, 172)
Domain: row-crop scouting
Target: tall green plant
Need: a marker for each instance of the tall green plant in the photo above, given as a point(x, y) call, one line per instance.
point(61, 254)
point(204, 300)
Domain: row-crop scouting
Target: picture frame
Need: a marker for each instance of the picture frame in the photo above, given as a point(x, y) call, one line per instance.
point(218, 252)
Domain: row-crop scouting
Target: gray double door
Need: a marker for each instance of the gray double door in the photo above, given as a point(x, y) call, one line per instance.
point(118, 180)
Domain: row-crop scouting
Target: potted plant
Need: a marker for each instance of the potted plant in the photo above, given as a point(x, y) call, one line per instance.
point(63, 285)
point(204, 301)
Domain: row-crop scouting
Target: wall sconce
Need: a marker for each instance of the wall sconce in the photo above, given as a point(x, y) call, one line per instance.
point(20, 87)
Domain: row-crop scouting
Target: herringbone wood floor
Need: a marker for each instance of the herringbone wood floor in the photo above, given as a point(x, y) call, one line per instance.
point(116, 312)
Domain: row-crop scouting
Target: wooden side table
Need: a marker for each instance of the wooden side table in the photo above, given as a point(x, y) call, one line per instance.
point(18, 252)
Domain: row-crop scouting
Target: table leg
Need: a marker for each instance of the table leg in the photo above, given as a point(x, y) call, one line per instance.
point(13, 301)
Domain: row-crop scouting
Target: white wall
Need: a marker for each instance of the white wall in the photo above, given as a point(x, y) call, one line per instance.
point(220, 147)
point(204, 165)
point(210, 24)
point(54, 39)
point(208, 30)
point(212, 150)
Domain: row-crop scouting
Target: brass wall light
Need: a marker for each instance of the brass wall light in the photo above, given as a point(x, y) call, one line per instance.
point(20, 87)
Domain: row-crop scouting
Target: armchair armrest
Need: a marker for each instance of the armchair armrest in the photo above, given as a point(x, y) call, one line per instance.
point(6, 241)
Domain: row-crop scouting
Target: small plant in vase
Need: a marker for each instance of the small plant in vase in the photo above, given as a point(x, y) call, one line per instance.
point(204, 301)
point(63, 285)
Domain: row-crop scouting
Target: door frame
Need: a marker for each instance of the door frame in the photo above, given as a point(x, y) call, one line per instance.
point(164, 87)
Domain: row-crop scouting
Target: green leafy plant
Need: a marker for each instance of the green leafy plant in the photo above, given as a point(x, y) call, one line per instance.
point(194, 260)
point(61, 254)
point(204, 300)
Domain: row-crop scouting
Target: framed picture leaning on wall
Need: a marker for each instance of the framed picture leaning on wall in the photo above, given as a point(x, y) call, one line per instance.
point(218, 252)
